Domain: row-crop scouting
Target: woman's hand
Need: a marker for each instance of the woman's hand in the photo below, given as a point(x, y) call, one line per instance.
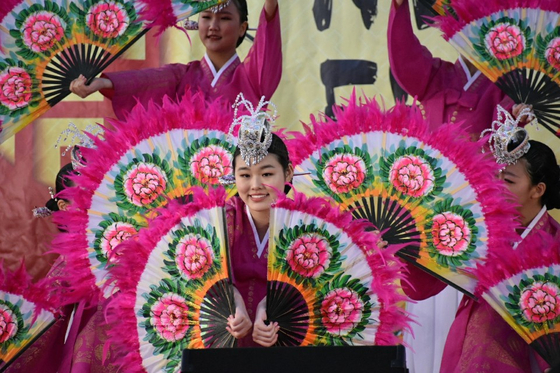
point(518, 108)
point(79, 87)
point(398, 3)
point(270, 8)
point(239, 324)
point(265, 335)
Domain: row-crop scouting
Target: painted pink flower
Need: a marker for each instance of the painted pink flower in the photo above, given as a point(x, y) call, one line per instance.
point(144, 184)
point(15, 88)
point(114, 235)
point(170, 317)
point(211, 163)
point(194, 256)
point(540, 302)
point(552, 53)
point(412, 176)
point(505, 41)
point(451, 234)
point(309, 255)
point(42, 30)
point(8, 323)
point(341, 310)
point(344, 172)
point(108, 20)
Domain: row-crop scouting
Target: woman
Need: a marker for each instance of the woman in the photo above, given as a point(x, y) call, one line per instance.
point(220, 73)
point(479, 339)
point(248, 216)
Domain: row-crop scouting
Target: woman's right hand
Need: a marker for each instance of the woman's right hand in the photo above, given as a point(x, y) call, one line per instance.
point(398, 2)
point(263, 334)
point(80, 88)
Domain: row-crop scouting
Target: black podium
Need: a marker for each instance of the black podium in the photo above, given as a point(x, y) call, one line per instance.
point(355, 359)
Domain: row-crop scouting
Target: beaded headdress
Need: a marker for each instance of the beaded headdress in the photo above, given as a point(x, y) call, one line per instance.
point(508, 142)
point(255, 133)
point(77, 139)
point(191, 25)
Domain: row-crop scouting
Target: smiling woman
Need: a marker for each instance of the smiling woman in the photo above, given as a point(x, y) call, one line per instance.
point(219, 74)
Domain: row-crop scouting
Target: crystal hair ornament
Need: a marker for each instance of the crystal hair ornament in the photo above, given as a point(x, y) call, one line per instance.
point(220, 7)
point(255, 134)
point(44, 212)
point(508, 142)
point(76, 139)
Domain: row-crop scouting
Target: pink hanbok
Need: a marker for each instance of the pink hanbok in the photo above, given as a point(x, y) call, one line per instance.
point(258, 75)
point(248, 266)
point(447, 91)
point(479, 339)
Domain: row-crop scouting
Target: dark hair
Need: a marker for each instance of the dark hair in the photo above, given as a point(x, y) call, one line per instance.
point(241, 5)
point(543, 168)
point(279, 149)
point(61, 183)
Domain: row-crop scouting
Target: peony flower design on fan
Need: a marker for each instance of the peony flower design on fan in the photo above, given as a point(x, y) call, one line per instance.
point(411, 172)
point(12, 326)
point(109, 21)
point(452, 234)
point(548, 49)
point(40, 30)
point(503, 39)
point(312, 255)
point(142, 184)
point(112, 231)
point(206, 160)
point(167, 318)
point(193, 253)
point(343, 309)
point(343, 170)
point(535, 301)
point(16, 81)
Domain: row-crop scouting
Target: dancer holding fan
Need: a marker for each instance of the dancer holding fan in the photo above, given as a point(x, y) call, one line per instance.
point(219, 74)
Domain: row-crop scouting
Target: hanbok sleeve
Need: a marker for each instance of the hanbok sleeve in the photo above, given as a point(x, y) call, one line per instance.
point(131, 87)
point(419, 285)
point(412, 64)
point(263, 63)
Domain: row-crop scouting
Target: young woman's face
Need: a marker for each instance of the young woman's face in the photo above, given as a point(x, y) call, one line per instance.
point(518, 181)
point(220, 31)
point(257, 184)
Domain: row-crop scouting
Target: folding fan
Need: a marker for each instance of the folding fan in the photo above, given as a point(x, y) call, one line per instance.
point(438, 7)
point(523, 286)
point(45, 44)
point(516, 44)
point(25, 314)
point(175, 291)
point(156, 155)
point(433, 192)
point(328, 282)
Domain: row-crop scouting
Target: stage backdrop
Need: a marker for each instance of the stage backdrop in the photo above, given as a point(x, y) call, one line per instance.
point(330, 47)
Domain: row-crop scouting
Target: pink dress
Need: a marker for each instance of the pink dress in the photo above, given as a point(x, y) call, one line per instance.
point(258, 75)
point(479, 339)
point(445, 90)
point(249, 270)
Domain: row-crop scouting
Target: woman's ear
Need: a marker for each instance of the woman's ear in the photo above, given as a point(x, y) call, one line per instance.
point(289, 173)
point(243, 28)
point(62, 205)
point(538, 190)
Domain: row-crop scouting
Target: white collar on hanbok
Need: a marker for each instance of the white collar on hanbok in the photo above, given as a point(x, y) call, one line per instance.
point(470, 78)
point(531, 225)
point(217, 74)
point(261, 245)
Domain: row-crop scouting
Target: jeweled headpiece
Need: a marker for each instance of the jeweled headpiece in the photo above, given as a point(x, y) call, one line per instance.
point(508, 142)
point(255, 134)
point(220, 7)
point(77, 139)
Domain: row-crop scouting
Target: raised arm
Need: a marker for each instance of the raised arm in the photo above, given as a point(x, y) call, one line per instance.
point(412, 65)
point(263, 63)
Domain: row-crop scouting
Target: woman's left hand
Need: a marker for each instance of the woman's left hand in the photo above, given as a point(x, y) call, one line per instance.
point(265, 335)
point(239, 325)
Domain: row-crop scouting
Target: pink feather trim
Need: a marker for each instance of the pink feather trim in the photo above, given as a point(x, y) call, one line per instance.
point(385, 267)
point(192, 112)
point(539, 249)
point(468, 11)
point(131, 258)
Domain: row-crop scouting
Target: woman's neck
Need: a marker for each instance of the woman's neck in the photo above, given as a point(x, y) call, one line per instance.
point(219, 59)
point(261, 220)
point(529, 213)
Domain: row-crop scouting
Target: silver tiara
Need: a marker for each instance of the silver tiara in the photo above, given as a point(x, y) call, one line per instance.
point(255, 133)
point(77, 139)
point(508, 142)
